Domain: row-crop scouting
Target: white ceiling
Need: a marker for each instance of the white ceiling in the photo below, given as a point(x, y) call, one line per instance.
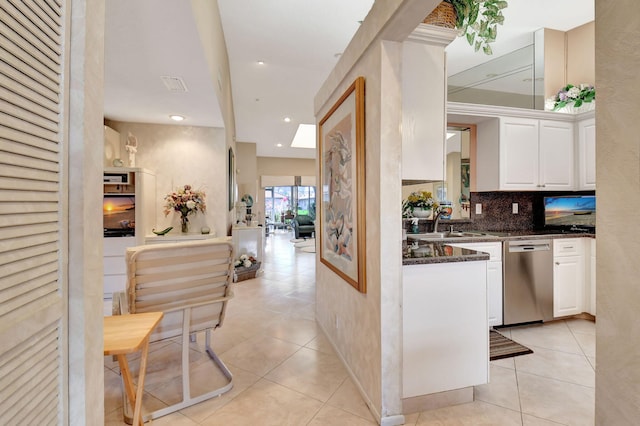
point(299, 41)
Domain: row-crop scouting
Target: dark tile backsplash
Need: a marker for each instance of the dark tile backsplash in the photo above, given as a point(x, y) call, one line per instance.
point(497, 212)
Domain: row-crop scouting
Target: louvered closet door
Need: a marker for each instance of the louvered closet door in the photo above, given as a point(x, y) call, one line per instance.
point(32, 312)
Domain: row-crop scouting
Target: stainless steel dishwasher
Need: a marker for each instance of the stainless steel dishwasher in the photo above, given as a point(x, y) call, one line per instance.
point(528, 281)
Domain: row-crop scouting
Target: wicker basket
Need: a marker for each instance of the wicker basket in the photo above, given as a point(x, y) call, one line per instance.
point(242, 273)
point(444, 15)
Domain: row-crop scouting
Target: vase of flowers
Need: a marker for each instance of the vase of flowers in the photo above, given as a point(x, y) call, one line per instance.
point(419, 204)
point(573, 99)
point(185, 201)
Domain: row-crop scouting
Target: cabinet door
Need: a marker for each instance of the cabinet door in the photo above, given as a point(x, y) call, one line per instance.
point(556, 155)
point(494, 277)
point(518, 154)
point(445, 333)
point(494, 292)
point(568, 285)
point(587, 154)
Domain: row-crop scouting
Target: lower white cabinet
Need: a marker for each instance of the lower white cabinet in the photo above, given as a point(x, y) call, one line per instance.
point(444, 327)
point(568, 277)
point(114, 267)
point(494, 277)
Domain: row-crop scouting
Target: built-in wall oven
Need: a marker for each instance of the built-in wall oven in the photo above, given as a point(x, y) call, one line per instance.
point(528, 281)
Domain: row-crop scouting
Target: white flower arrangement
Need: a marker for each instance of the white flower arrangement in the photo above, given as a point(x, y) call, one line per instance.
point(244, 260)
point(572, 95)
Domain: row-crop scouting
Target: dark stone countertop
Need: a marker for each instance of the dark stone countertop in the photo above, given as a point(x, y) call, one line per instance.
point(438, 251)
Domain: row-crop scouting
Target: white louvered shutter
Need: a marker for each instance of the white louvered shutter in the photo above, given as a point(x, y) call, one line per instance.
point(33, 334)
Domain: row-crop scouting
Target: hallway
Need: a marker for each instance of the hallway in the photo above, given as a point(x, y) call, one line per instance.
point(286, 372)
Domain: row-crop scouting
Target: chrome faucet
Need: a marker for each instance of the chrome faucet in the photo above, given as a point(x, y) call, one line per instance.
point(436, 219)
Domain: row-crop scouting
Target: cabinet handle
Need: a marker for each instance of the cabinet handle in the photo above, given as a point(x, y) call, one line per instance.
point(569, 247)
point(558, 263)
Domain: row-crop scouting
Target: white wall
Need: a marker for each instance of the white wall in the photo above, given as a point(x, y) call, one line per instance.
point(369, 336)
point(180, 155)
point(207, 17)
point(82, 194)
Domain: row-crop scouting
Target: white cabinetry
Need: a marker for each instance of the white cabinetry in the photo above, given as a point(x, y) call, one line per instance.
point(568, 277)
point(525, 154)
point(556, 156)
point(423, 103)
point(518, 154)
point(494, 277)
point(115, 270)
point(587, 154)
point(248, 240)
point(141, 184)
point(444, 329)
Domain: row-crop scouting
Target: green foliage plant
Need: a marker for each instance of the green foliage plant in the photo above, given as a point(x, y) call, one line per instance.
point(478, 21)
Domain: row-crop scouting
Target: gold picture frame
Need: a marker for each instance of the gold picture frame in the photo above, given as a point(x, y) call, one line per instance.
point(341, 216)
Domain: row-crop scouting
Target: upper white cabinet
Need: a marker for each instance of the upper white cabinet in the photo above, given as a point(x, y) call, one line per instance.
point(518, 153)
point(525, 154)
point(424, 85)
point(556, 156)
point(587, 154)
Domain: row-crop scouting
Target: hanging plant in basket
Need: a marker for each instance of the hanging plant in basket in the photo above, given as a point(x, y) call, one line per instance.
point(476, 20)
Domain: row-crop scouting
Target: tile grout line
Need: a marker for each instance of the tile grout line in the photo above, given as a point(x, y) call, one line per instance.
point(573, 334)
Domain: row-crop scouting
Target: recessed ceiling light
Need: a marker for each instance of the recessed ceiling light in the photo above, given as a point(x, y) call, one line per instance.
point(287, 119)
point(305, 136)
point(260, 62)
point(279, 145)
point(176, 117)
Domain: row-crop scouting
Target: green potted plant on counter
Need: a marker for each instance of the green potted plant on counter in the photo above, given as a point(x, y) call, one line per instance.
point(477, 20)
point(419, 204)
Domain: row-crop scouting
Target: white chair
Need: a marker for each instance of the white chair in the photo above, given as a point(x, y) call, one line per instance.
point(190, 282)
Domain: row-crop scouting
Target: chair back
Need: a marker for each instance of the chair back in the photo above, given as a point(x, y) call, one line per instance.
point(190, 278)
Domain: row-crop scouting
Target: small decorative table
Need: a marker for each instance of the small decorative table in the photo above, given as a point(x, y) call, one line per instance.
point(125, 334)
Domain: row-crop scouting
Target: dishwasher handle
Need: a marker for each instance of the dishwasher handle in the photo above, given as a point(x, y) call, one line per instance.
point(526, 246)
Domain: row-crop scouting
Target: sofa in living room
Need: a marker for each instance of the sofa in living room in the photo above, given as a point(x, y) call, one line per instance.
point(303, 226)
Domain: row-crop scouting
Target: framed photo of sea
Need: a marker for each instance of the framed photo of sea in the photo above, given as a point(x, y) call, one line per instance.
point(570, 212)
point(341, 144)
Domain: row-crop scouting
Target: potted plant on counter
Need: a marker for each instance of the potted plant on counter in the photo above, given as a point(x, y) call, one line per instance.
point(419, 204)
point(477, 20)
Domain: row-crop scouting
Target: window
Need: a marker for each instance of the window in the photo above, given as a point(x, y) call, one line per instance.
point(280, 199)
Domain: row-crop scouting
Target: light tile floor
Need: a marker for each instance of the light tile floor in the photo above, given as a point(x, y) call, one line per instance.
point(286, 372)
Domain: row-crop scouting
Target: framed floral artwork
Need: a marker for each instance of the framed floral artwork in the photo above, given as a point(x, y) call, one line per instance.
point(341, 217)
